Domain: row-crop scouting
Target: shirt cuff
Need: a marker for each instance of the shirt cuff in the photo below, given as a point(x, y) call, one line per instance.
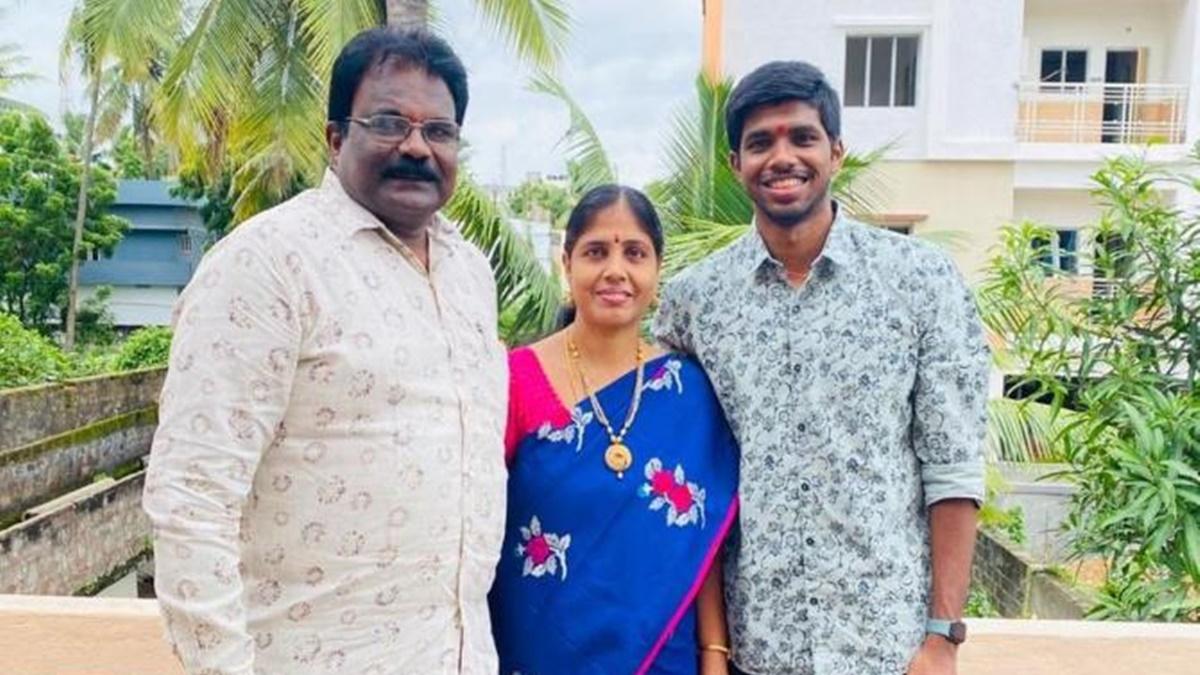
point(961, 480)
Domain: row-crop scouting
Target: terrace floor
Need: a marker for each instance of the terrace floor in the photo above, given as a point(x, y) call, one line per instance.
point(42, 635)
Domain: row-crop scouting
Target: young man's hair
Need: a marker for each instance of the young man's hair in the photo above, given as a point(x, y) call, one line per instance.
point(378, 46)
point(780, 82)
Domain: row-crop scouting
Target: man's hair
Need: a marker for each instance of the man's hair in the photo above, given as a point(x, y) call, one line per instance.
point(376, 47)
point(780, 82)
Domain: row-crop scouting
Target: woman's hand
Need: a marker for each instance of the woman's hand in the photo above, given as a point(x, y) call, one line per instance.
point(713, 663)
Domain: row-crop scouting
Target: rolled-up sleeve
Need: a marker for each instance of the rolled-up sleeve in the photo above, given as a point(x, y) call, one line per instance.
point(234, 352)
point(950, 392)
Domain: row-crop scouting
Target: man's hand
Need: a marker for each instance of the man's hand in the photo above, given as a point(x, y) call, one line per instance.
point(935, 657)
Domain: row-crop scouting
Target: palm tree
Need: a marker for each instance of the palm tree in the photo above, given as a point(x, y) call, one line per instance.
point(244, 90)
point(12, 64)
point(124, 35)
point(703, 205)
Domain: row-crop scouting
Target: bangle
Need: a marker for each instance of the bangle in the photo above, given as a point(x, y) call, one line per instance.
point(716, 648)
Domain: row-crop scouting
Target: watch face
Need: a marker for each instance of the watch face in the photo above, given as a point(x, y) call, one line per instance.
point(958, 632)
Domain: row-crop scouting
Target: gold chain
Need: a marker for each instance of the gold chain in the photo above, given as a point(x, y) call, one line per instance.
point(619, 456)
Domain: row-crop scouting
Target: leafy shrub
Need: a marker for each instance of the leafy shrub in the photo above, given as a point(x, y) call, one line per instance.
point(27, 357)
point(1126, 357)
point(145, 348)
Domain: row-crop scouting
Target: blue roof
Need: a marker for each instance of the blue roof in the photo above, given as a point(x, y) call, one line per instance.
point(137, 192)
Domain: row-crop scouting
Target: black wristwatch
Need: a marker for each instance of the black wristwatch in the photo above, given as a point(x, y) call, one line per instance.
point(955, 632)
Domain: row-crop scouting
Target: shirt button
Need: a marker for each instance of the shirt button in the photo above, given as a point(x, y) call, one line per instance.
point(796, 368)
point(802, 427)
point(812, 601)
point(804, 487)
point(810, 541)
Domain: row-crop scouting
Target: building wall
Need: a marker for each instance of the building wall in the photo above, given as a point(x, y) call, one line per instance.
point(966, 202)
point(1058, 209)
point(1099, 25)
point(134, 306)
point(972, 69)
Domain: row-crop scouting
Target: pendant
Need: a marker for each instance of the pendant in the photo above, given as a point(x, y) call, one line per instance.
point(618, 458)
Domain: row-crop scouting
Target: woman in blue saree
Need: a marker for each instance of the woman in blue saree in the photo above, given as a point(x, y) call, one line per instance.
point(623, 476)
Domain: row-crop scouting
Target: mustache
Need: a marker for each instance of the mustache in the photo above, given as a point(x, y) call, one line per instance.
point(407, 169)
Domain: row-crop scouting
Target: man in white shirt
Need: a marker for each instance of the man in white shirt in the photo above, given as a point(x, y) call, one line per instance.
point(327, 480)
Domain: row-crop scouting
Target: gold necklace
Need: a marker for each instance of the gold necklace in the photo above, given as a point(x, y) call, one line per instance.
point(618, 457)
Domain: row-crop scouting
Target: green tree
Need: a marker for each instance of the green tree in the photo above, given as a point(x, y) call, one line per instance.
point(1124, 361)
point(27, 357)
point(38, 183)
point(109, 40)
point(538, 199)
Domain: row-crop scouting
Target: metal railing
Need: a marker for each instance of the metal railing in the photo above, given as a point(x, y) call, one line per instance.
point(1096, 112)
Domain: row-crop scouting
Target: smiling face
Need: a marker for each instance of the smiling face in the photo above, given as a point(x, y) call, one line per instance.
point(786, 161)
point(612, 270)
point(403, 183)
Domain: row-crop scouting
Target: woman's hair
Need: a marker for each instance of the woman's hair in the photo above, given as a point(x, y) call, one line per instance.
point(596, 200)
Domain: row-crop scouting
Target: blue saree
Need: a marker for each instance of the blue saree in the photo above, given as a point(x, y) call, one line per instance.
point(599, 574)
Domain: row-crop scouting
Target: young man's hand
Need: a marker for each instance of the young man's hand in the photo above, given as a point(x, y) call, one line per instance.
point(935, 657)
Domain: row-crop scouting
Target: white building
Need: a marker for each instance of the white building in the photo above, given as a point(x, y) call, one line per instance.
point(999, 110)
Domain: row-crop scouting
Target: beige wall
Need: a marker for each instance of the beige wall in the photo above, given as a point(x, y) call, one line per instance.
point(966, 204)
point(1099, 25)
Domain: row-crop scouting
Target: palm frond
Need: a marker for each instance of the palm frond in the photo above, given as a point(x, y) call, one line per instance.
point(858, 186)
point(212, 71)
point(277, 136)
point(697, 239)
point(537, 29)
point(527, 295)
point(329, 24)
point(701, 185)
point(1024, 431)
point(129, 32)
point(582, 144)
point(11, 64)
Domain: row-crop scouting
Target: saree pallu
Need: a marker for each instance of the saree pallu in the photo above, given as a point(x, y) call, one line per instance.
point(599, 574)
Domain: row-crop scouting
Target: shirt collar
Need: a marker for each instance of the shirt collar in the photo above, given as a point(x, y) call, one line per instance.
point(838, 250)
point(352, 217)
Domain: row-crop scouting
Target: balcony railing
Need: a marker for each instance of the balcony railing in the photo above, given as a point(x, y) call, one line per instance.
point(1096, 112)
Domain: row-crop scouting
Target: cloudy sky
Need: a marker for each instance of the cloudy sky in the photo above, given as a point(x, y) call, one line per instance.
point(630, 64)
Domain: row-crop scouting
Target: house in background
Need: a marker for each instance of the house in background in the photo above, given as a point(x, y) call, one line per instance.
point(155, 260)
point(999, 111)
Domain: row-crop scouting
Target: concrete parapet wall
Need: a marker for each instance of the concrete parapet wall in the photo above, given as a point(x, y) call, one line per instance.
point(30, 414)
point(77, 547)
point(47, 468)
point(1019, 585)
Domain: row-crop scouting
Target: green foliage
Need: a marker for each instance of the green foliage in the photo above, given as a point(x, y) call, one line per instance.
point(27, 357)
point(527, 295)
point(130, 154)
point(38, 188)
point(1125, 358)
point(145, 348)
point(1010, 521)
point(541, 200)
point(980, 604)
point(95, 321)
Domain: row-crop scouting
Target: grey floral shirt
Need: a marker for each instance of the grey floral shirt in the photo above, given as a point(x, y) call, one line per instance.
point(859, 399)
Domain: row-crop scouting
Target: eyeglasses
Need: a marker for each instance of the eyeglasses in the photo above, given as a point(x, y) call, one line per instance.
point(397, 128)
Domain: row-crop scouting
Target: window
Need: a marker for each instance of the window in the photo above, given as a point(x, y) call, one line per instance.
point(1063, 66)
point(1061, 253)
point(93, 254)
point(185, 244)
point(881, 71)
